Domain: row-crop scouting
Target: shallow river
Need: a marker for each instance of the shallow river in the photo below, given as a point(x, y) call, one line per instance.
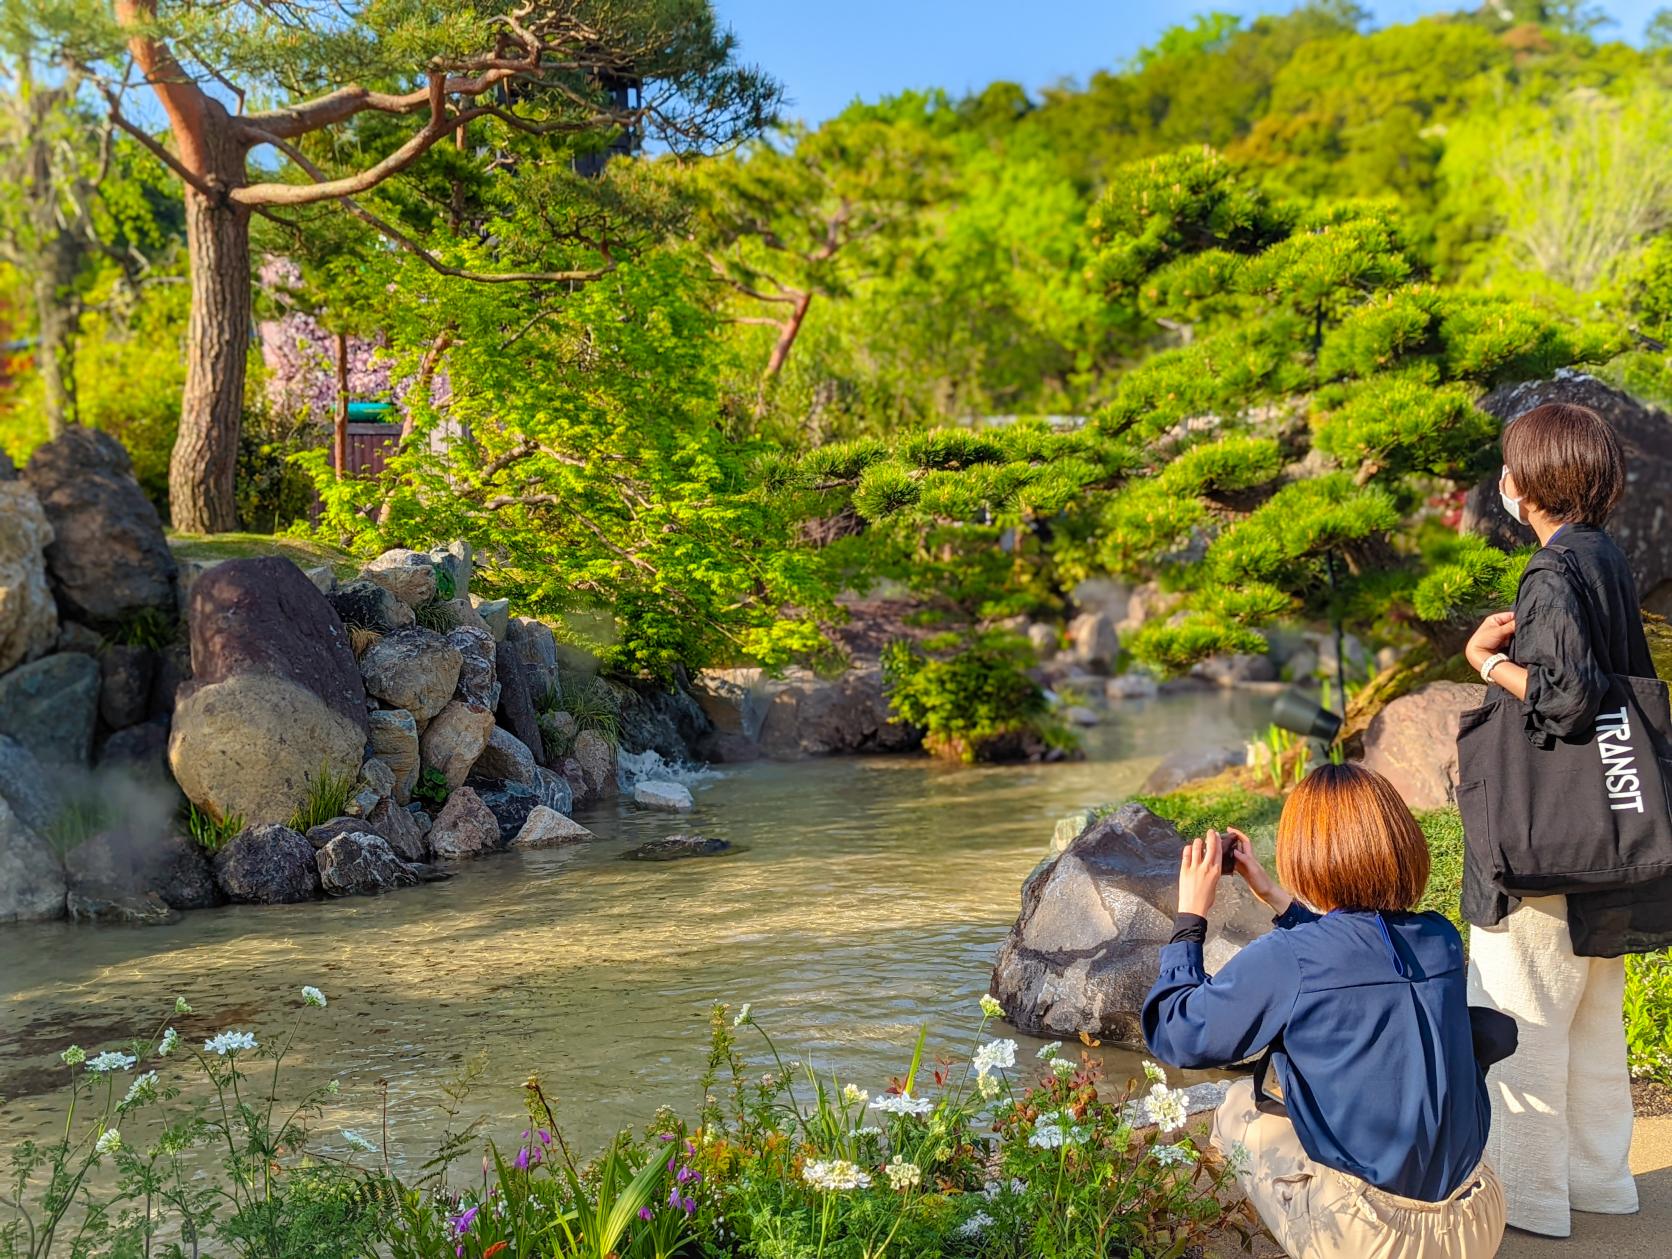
point(868, 897)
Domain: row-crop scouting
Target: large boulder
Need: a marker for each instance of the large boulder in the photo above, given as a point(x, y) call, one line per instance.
point(415, 669)
point(1412, 742)
point(120, 865)
point(275, 699)
point(653, 794)
point(369, 606)
point(516, 705)
point(360, 864)
point(510, 803)
point(400, 827)
point(453, 741)
point(667, 721)
point(32, 883)
point(140, 753)
point(51, 706)
point(1093, 641)
point(464, 828)
point(35, 795)
point(507, 759)
point(108, 560)
point(267, 865)
point(677, 848)
point(393, 739)
point(554, 791)
point(1085, 948)
point(28, 616)
point(125, 677)
point(537, 647)
point(1189, 764)
point(596, 756)
point(1640, 524)
point(408, 575)
point(801, 714)
point(478, 680)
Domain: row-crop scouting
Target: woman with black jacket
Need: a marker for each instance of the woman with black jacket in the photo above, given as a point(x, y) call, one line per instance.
point(1561, 1106)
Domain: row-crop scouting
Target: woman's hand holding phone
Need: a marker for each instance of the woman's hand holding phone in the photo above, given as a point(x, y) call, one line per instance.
point(1269, 890)
point(1203, 862)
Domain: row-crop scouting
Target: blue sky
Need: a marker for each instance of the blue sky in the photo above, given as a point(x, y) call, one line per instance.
point(826, 54)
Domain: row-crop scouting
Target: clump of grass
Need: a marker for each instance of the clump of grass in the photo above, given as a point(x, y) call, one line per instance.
point(437, 615)
point(590, 700)
point(361, 637)
point(206, 832)
point(328, 795)
point(83, 816)
point(149, 627)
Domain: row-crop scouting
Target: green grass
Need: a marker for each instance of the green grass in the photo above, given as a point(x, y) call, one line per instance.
point(436, 615)
point(1649, 1016)
point(83, 816)
point(328, 795)
point(1215, 804)
point(304, 552)
point(1443, 828)
point(206, 832)
point(590, 700)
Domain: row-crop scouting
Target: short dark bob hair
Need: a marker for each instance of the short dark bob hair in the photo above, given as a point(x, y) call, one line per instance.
point(1566, 461)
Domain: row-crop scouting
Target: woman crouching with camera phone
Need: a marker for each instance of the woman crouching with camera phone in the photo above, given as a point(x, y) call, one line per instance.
point(1357, 1010)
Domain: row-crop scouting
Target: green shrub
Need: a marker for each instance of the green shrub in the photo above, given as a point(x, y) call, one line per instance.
point(590, 700)
point(328, 796)
point(966, 692)
point(1649, 1015)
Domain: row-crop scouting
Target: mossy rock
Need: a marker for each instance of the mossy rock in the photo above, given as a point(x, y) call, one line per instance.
point(305, 553)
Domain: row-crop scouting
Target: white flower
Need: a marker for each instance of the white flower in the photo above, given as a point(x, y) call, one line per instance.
point(229, 1043)
point(903, 1175)
point(1153, 1074)
point(993, 1188)
point(74, 1056)
point(742, 1015)
point(1174, 1155)
point(995, 1053)
point(182, 1006)
point(1063, 1068)
point(834, 1175)
point(1047, 1052)
point(357, 1142)
point(110, 1060)
point(334, 1087)
point(1166, 1108)
point(109, 1142)
point(143, 1089)
point(1239, 1159)
point(853, 1095)
point(991, 1008)
point(313, 996)
point(166, 1045)
point(869, 1130)
point(903, 1104)
point(989, 1086)
point(975, 1225)
point(1055, 1130)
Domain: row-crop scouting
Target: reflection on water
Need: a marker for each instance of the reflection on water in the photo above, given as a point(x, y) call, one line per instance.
point(870, 899)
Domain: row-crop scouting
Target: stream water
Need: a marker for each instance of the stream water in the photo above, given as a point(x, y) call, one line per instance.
point(867, 897)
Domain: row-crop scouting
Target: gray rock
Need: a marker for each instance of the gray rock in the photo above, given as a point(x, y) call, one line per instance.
point(32, 883)
point(360, 864)
point(415, 669)
point(554, 791)
point(28, 615)
point(367, 605)
point(1133, 685)
point(401, 828)
point(140, 754)
point(83, 638)
point(516, 710)
point(325, 832)
point(676, 847)
point(464, 828)
point(478, 680)
point(122, 865)
point(1236, 670)
point(1093, 641)
point(547, 828)
point(664, 720)
point(455, 739)
point(378, 777)
point(1079, 715)
point(511, 804)
point(51, 705)
point(25, 784)
point(1043, 639)
point(596, 756)
point(806, 715)
point(507, 759)
point(174, 670)
point(1412, 742)
point(408, 575)
point(1190, 764)
point(457, 561)
point(495, 614)
point(362, 802)
point(108, 560)
point(575, 776)
point(125, 678)
point(324, 578)
point(267, 865)
point(393, 738)
point(651, 794)
point(1084, 951)
point(538, 649)
point(119, 909)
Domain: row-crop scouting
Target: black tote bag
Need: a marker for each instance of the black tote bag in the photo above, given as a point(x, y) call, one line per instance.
point(1582, 814)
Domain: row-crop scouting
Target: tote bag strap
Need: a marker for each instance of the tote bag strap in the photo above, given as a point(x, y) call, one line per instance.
point(1587, 603)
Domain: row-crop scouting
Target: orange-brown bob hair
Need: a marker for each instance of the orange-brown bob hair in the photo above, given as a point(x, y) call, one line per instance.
point(1347, 841)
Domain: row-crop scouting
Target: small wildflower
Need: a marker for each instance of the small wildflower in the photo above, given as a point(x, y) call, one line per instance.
point(334, 1087)
point(1047, 1052)
point(903, 1175)
point(991, 1008)
point(1174, 1155)
point(229, 1043)
point(109, 1142)
point(170, 1039)
point(646, 1214)
point(989, 1086)
point(110, 1060)
point(1153, 1074)
point(975, 1225)
point(853, 1095)
point(995, 1053)
point(834, 1175)
point(869, 1130)
point(1063, 1068)
point(1055, 1130)
point(182, 1006)
point(1166, 1108)
point(313, 996)
point(743, 1015)
point(355, 1141)
point(142, 1090)
point(1239, 1159)
point(74, 1056)
point(903, 1104)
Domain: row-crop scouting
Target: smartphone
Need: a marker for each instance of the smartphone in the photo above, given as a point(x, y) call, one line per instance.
point(1228, 855)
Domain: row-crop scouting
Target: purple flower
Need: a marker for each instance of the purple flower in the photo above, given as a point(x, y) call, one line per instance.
point(665, 1136)
point(545, 1137)
point(673, 1198)
point(463, 1221)
point(689, 1205)
point(645, 1215)
point(525, 1158)
point(687, 1175)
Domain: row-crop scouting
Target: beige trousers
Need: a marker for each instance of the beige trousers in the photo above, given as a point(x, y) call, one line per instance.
point(1317, 1212)
point(1561, 1104)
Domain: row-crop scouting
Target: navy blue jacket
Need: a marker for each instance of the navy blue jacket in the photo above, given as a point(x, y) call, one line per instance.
point(1368, 1018)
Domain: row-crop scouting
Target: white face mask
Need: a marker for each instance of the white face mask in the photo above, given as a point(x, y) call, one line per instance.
point(1511, 505)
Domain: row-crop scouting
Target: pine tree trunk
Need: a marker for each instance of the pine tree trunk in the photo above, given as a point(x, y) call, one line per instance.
point(55, 328)
point(201, 469)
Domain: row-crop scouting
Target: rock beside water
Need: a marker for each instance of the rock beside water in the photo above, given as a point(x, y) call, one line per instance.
point(1413, 742)
point(267, 865)
point(675, 847)
point(546, 828)
point(1084, 951)
point(464, 828)
point(32, 881)
point(673, 796)
point(28, 615)
point(360, 864)
point(1189, 764)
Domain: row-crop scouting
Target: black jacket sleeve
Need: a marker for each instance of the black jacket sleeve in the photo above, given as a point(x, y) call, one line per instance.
point(1566, 684)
